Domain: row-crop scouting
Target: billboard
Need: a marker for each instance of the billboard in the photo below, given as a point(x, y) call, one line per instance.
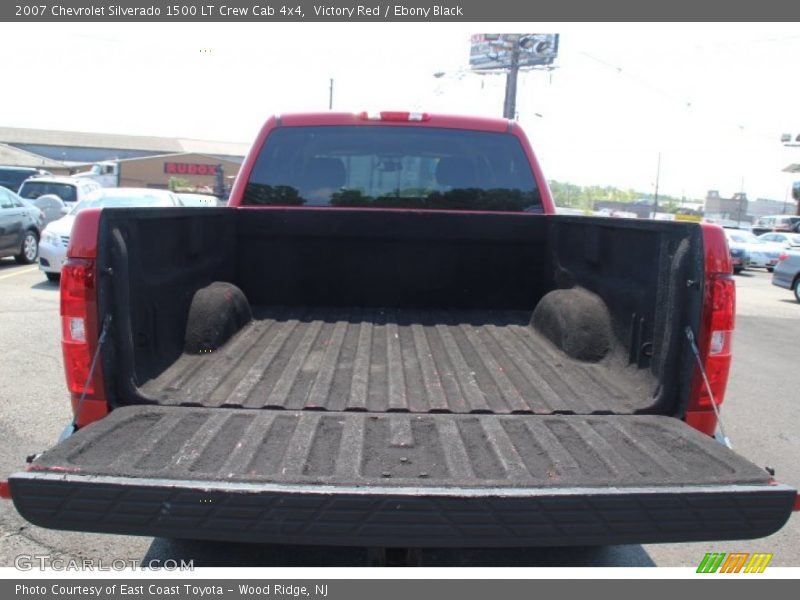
point(790, 139)
point(490, 51)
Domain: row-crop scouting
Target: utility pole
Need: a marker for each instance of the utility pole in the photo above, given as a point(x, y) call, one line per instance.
point(786, 199)
point(510, 103)
point(741, 201)
point(219, 182)
point(330, 96)
point(655, 194)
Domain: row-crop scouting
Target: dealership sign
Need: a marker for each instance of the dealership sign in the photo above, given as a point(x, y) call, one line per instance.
point(176, 168)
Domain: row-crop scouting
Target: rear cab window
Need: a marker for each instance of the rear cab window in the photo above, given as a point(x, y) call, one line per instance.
point(393, 167)
point(33, 189)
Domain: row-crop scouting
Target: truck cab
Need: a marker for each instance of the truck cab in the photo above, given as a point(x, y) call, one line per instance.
point(106, 173)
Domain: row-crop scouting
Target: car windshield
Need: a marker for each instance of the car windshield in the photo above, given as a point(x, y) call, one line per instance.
point(393, 167)
point(101, 200)
point(33, 189)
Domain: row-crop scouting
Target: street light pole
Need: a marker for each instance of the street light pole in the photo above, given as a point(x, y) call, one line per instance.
point(330, 96)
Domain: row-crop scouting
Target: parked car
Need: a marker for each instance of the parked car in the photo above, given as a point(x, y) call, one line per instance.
point(776, 223)
point(20, 228)
point(198, 199)
point(70, 190)
point(55, 237)
point(12, 177)
point(37, 212)
point(789, 241)
point(762, 254)
point(787, 274)
point(740, 259)
point(52, 207)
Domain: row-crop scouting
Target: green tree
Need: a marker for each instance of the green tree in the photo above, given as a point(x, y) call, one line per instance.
point(569, 195)
point(176, 183)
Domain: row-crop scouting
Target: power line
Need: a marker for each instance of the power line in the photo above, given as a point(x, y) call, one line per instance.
point(636, 79)
point(684, 103)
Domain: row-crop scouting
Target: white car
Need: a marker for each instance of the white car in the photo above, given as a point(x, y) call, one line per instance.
point(788, 241)
point(69, 189)
point(762, 254)
point(55, 237)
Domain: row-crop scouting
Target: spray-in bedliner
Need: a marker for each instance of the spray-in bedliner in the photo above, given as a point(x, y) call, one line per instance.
point(419, 361)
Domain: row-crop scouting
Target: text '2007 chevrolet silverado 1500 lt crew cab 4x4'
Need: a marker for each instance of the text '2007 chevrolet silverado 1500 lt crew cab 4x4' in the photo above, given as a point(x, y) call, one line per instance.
point(389, 339)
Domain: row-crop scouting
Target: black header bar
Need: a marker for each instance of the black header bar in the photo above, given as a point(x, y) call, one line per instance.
point(369, 11)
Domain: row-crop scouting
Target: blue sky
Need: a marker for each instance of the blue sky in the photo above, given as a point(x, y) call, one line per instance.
point(712, 99)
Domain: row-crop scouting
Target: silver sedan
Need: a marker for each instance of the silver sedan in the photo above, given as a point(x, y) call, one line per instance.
point(787, 274)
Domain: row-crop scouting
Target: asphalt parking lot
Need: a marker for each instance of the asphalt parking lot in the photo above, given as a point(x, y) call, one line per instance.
point(760, 416)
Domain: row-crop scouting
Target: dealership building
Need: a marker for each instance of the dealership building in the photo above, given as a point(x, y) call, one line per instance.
point(144, 161)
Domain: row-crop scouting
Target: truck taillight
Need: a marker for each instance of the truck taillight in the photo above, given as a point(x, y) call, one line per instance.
point(79, 334)
point(715, 352)
point(723, 311)
point(394, 116)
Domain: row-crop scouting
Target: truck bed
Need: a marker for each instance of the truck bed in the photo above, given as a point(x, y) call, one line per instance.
point(398, 311)
point(400, 360)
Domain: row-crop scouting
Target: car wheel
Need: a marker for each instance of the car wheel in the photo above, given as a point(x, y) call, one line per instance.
point(737, 270)
point(770, 269)
point(29, 251)
point(53, 276)
point(797, 289)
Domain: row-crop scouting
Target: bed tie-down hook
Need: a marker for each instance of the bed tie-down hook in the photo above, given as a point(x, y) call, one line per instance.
point(696, 352)
point(93, 366)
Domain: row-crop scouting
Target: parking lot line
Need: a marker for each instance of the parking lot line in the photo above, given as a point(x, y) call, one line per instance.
point(19, 272)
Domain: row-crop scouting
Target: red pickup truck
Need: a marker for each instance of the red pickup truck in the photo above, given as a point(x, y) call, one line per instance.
point(389, 339)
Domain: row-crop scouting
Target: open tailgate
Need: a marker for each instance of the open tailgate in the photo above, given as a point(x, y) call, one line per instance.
point(399, 479)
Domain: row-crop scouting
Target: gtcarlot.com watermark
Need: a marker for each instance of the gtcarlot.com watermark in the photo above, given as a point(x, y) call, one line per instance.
point(41, 562)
